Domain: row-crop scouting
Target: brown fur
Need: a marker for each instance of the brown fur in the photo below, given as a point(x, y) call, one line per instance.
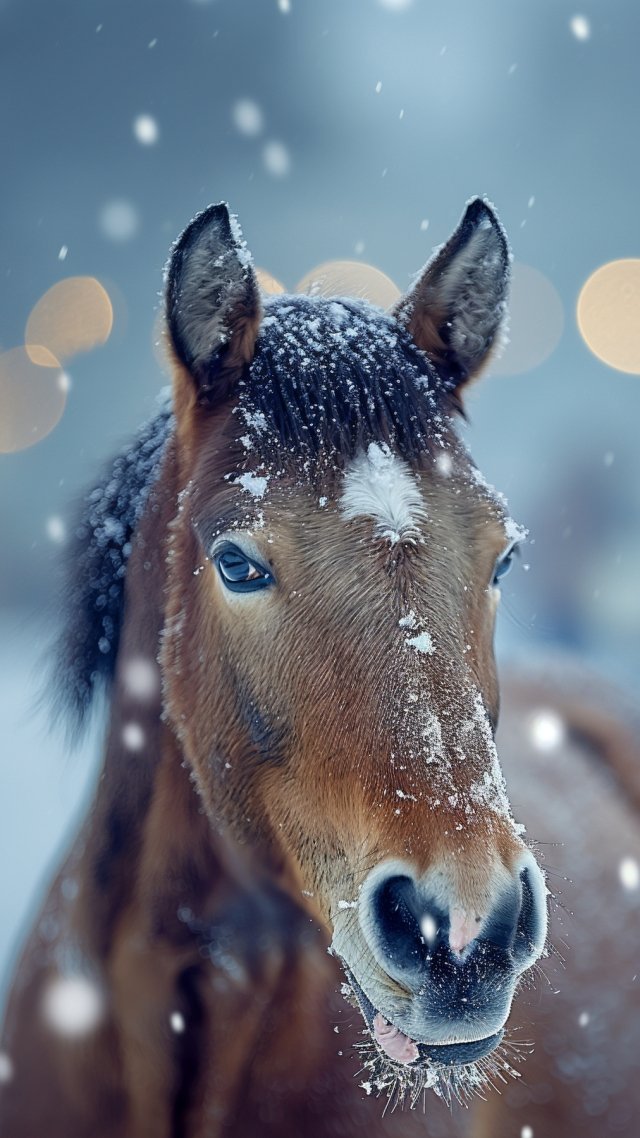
point(283, 761)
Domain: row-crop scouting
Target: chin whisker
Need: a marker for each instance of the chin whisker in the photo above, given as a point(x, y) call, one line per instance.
point(404, 1086)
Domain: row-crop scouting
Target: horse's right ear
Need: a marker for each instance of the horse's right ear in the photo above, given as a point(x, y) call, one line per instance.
point(212, 303)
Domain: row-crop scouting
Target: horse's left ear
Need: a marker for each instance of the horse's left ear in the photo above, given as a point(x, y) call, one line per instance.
point(455, 308)
point(212, 303)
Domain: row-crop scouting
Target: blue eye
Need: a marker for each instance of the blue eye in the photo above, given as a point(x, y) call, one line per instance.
point(240, 573)
point(504, 563)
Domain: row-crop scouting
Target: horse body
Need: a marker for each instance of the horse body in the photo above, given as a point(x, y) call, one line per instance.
point(312, 560)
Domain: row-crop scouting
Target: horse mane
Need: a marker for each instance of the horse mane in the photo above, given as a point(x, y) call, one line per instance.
point(95, 564)
point(328, 377)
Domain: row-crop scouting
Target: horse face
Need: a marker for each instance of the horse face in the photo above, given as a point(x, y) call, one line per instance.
point(328, 655)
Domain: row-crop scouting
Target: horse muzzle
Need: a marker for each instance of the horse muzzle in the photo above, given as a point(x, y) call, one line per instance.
point(432, 985)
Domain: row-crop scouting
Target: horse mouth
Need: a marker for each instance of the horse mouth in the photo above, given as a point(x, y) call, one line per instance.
point(393, 1045)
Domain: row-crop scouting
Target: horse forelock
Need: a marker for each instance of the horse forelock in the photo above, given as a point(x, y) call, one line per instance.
point(331, 376)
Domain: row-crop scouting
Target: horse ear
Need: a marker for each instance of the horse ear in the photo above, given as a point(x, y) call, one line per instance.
point(212, 302)
point(455, 308)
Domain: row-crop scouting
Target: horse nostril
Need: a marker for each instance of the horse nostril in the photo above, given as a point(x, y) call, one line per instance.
point(405, 928)
point(531, 927)
point(517, 924)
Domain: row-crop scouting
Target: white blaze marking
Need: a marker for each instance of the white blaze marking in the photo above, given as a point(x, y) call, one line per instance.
point(380, 485)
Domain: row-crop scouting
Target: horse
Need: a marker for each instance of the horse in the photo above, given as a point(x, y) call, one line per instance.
point(301, 863)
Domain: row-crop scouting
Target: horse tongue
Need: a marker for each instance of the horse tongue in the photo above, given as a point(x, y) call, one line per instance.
point(393, 1042)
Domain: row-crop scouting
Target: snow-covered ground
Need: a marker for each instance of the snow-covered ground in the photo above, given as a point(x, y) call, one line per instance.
point(45, 784)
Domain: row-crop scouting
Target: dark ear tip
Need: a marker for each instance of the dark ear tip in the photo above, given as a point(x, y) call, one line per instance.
point(214, 217)
point(481, 214)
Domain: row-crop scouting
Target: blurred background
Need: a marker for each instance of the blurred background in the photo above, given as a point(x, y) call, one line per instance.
point(350, 130)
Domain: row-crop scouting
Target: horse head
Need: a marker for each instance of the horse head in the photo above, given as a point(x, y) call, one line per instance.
point(327, 657)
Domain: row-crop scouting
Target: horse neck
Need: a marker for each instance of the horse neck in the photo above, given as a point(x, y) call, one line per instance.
point(146, 837)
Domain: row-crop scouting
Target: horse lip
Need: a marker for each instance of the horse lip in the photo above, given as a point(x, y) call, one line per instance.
point(440, 1054)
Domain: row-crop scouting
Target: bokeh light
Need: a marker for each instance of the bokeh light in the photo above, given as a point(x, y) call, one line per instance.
point(350, 278)
point(119, 220)
point(536, 321)
point(74, 315)
point(269, 284)
point(73, 1005)
point(176, 1019)
point(608, 314)
point(32, 397)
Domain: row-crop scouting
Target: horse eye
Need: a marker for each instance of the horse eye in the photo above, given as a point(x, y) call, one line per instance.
point(239, 573)
point(504, 563)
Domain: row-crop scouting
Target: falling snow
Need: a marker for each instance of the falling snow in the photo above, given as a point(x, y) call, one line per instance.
point(73, 1005)
point(580, 27)
point(629, 873)
point(56, 529)
point(546, 730)
point(247, 117)
point(133, 736)
point(141, 678)
point(276, 159)
point(146, 130)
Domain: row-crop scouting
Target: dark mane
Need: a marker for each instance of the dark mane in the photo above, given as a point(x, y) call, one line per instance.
point(96, 563)
point(328, 377)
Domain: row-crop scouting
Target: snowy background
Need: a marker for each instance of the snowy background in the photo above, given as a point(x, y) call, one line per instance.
point(337, 130)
